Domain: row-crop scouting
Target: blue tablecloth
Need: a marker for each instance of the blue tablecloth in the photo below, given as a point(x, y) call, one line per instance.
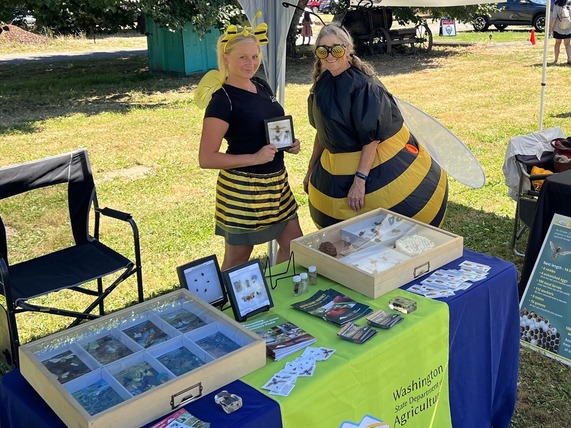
point(483, 366)
point(484, 346)
point(22, 407)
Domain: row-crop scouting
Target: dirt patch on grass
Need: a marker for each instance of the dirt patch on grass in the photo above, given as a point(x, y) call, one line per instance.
point(12, 33)
point(132, 173)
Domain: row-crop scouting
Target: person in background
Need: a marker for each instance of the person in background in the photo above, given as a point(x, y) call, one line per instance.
point(364, 157)
point(254, 202)
point(558, 33)
point(306, 28)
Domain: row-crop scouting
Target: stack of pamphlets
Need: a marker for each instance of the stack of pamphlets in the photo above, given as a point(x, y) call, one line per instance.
point(333, 306)
point(356, 333)
point(283, 382)
point(444, 283)
point(282, 336)
point(181, 419)
point(382, 319)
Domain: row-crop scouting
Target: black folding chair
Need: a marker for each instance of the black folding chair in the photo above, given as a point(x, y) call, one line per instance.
point(527, 195)
point(522, 154)
point(84, 261)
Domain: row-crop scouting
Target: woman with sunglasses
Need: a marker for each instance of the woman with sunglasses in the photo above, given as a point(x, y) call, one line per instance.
point(364, 156)
point(254, 202)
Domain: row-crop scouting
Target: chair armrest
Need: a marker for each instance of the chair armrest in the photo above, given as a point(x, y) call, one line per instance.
point(119, 215)
point(539, 176)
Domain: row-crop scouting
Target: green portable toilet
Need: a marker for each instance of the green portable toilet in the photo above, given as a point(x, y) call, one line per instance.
point(181, 51)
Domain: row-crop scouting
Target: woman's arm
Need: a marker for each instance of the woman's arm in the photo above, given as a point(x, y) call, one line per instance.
point(356, 195)
point(210, 156)
point(315, 154)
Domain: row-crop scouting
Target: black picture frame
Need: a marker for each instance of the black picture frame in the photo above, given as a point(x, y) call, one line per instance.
point(203, 278)
point(247, 289)
point(279, 131)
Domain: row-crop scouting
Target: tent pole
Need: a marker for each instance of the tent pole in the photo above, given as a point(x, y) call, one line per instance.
point(544, 71)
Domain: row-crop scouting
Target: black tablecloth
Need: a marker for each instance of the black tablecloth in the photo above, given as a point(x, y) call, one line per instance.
point(555, 197)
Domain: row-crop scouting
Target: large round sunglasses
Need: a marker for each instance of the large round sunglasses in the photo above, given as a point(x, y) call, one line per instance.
point(337, 51)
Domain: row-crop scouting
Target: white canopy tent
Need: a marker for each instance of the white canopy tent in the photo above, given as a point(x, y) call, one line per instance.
point(544, 70)
point(279, 19)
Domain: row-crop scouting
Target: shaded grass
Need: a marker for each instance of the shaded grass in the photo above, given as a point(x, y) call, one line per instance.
point(142, 132)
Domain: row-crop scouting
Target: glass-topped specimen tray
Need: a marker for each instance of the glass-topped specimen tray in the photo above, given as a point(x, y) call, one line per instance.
point(377, 252)
point(138, 364)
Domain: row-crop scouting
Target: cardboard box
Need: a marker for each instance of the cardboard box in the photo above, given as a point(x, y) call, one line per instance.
point(138, 364)
point(377, 252)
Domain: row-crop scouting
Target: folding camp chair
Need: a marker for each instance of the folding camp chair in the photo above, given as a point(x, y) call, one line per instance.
point(84, 259)
point(523, 153)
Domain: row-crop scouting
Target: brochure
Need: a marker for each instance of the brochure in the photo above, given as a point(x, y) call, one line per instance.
point(356, 333)
point(333, 306)
point(282, 336)
point(181, 419)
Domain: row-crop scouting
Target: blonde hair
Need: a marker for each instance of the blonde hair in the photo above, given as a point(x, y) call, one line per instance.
point(227, 47)
point(343, 35)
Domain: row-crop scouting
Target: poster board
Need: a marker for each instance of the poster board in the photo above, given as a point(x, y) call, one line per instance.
point(447, 27)
point(545, 307)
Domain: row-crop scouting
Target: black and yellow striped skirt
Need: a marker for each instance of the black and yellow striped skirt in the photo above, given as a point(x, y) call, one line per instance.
point(401, 180)
point(253, 208)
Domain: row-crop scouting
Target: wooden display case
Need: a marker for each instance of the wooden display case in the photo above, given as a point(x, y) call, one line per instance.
point(138, 364)
point(377, 252)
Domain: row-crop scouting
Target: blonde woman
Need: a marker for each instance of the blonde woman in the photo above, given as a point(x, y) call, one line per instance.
point(254, 202)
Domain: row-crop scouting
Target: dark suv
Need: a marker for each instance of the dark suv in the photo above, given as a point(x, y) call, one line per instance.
point(514, 12)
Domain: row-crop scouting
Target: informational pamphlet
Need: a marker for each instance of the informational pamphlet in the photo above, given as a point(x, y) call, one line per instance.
point(282, 336)
point(545, 308)
point(181, 419)
point(333, 306)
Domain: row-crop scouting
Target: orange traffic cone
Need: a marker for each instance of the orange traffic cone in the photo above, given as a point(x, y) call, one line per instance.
point(532, 36)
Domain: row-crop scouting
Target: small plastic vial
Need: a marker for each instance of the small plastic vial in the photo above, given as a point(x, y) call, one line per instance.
point(312, 271)
point(304, 282)
point(296, 285)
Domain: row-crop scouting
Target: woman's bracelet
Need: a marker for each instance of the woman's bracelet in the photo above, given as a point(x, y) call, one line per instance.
point(362, 176)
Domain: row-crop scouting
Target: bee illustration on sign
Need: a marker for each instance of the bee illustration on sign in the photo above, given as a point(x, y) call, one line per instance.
point(557, 250)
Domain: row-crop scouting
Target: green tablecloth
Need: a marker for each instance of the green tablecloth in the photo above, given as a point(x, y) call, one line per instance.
point(399, 376)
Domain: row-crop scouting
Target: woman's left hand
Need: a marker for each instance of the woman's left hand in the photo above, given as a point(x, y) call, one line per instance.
point(356, 195)
point(295, 147)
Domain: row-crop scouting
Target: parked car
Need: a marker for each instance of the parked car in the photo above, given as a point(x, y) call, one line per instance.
point(325, 6)
point(313, 5)
point(514, 12)
point(23, 19)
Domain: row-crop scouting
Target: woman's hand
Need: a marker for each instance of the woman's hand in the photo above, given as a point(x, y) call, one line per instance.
point(266, 154)
point(356, 195)
point(295, 147)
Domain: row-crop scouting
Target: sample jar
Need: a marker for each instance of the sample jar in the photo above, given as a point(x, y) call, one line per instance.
point(312, 271)
point(304, 282)
point(296, 285)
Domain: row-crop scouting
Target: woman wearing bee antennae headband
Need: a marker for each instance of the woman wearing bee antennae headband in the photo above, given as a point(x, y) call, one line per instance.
point(254, 202)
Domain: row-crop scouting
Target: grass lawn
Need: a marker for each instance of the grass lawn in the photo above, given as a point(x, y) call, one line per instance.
point(142, 132)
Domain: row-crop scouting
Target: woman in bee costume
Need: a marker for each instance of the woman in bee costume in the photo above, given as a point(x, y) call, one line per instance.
point(364, 156)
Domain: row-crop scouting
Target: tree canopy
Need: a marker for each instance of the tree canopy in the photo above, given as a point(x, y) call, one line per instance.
point(109, 16)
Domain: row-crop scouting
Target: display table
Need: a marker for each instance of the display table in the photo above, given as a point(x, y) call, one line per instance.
point(553, 198)
point(21, 406)
point(482, 369)
point(484, 346)
point(483, 351)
